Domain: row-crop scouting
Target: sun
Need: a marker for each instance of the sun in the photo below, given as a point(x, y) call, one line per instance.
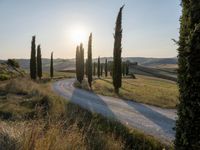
point(78, 34)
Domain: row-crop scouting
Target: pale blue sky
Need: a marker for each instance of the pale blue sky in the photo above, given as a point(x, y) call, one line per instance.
point(148, 26)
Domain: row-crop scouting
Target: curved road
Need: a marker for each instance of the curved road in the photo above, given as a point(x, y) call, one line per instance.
point(152, 120)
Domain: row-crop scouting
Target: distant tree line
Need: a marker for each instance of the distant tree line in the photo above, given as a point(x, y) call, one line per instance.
point(36, 61)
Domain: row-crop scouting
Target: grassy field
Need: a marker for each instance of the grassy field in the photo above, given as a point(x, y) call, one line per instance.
point(149, 90)
point(32, 117)
point(59, 75)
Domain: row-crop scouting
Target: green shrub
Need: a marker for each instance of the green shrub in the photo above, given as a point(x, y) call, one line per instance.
point(13, 63)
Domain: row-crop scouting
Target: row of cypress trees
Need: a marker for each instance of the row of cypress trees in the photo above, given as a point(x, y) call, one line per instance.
point(36, 61)
point(117, 65)
point(107, 67)
point(125, 68)
point(86, 67)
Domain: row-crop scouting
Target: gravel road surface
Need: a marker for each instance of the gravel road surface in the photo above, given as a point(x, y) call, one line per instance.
point(152, 120)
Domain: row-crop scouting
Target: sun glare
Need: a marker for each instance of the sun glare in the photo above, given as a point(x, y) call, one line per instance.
point(78, 35)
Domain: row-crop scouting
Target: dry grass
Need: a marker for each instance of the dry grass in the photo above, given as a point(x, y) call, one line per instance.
point(68, 132)
point(69, 127)
point(24, 99)
point(143, 89)
point(59, 75)
point(39, 135)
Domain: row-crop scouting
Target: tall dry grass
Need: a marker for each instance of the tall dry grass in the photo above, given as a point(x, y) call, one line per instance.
point(63, 125)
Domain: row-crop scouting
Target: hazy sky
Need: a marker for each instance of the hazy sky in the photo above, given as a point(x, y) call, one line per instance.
point(148, 26)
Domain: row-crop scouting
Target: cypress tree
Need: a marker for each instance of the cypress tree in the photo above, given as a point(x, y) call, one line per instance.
point(127, 68)
point(39, 62)
point(90, 60)
point(33, 64)
point(81, 63)
point(110, 67)
point(78, 75)
point(124, 68)
point(117, 72)
point(188, 123)
point(101, 70)
point(51, 66)
point(98, 68)
point(106, 68)
point(94, 69)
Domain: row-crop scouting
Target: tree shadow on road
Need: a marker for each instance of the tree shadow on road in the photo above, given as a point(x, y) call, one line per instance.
point(165, 123)
point(95, 103)
point(91, 102)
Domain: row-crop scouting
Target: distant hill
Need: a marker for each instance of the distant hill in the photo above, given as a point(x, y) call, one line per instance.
point(154, 72)
point(153, 62)
point(148, 62)
point(69, 64)
point(59, 64)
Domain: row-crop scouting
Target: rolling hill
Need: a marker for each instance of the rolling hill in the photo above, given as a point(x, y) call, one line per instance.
point(69, 64)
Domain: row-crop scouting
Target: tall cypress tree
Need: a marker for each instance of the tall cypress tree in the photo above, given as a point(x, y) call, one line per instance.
point(98, 68)
point(39, 62)
point(94, 69)
point(89, 65)
point(106, 68)
point(117, 75)
point(51, 66)
point(127, 68)
point(81, 63)
point(33, 71)
point(188, 123)
point(78, 64)
point(101, 70)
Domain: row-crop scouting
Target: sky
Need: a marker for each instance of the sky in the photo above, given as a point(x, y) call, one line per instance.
point(60, 25)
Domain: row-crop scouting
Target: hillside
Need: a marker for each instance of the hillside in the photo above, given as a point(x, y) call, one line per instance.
point(148, 62)
point(59, 64)
point(69, 64)
point(8, 71)
point(163, 73)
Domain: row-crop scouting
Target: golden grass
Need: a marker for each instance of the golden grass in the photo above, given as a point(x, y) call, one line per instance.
point(40, 136)
point(24, 99)
point(64, 126)
point(59, 75)
point(143, 89)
